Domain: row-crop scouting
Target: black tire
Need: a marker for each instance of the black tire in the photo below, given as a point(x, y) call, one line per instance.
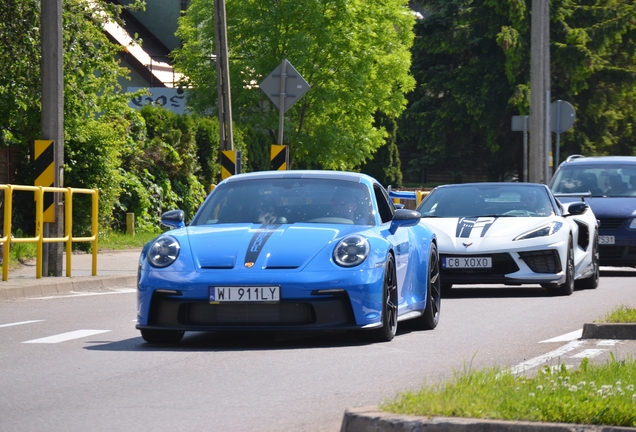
point(387, 332)
point(430, 316)
point(592, 281)
point(567, 287)
point(162, 336)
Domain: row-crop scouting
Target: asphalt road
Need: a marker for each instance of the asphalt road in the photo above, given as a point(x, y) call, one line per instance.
point(76, 362)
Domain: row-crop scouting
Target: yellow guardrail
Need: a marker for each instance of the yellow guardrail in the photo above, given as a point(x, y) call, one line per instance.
point(416, 195)
point(39, 238)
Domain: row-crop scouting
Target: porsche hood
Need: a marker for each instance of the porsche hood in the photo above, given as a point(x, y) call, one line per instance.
point(480, 233)
point(272, 246)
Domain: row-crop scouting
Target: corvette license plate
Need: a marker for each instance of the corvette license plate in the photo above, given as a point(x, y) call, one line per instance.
point(466, 262)
point(244, 294)
point(605, 239)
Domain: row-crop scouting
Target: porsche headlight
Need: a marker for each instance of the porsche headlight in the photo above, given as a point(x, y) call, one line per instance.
point(163, 251)
point(544, 231)
point(351, 251)
point(633, 224)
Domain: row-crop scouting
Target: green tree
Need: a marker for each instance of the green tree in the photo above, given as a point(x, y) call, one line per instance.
point(471, 61)
point(94, 110)
point(386, 165)
point(354, 54)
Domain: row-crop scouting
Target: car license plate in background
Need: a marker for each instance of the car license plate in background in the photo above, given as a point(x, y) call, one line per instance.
point(466, 262)
point(605, 239)
point(242, 294)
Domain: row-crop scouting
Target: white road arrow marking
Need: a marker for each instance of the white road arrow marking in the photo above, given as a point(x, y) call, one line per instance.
point(63, 337)
point(20, 323)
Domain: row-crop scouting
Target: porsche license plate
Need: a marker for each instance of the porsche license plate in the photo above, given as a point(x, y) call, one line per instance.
point(466, 262)
point(244, 294)
point(605, 239)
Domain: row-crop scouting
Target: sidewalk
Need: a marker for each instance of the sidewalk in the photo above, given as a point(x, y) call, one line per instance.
point(114, 269)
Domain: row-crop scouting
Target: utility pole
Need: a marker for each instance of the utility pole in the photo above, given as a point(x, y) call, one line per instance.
point(540, 136)
point(223, 77)
point(52, 122)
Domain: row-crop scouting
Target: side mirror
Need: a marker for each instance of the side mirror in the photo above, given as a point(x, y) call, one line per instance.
point(173, 218)
point(577, 208)
point(403, 217)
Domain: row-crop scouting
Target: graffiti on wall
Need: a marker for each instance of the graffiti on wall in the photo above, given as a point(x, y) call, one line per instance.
point(173, 99)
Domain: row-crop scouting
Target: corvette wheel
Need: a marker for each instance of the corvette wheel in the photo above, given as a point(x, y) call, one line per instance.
point(162, 336)
point(592, 281)
point(430, 316)
point(389, 306)
point(567, 287)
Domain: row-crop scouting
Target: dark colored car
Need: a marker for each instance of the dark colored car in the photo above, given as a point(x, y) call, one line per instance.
point(608, 185)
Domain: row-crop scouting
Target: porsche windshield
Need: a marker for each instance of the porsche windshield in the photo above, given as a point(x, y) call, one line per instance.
point(271, 201)
point(514, 200)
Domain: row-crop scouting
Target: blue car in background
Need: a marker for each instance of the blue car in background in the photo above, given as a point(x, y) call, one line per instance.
point(608, 185)
point(290, 250)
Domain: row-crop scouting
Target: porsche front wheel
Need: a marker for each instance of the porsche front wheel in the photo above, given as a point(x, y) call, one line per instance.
point(162, 336)
point(430, 316)
point(389, 306)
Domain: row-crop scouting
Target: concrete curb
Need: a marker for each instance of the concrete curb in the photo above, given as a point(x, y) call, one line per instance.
point(609, 331)
point(371, 419)
point(52, 286)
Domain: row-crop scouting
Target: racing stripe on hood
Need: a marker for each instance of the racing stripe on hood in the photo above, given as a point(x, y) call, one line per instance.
point(473, 226)
point(258, 241)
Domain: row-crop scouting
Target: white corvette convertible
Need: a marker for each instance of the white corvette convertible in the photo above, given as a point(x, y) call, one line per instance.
point(512, 234)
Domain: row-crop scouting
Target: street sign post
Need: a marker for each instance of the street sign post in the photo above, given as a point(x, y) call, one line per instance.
point(562, 116)
point(520, 123)
point(284, 86)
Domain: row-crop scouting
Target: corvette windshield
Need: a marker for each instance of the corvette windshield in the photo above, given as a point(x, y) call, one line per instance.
point(516, 200)
point(599, 179)
point(290, 200)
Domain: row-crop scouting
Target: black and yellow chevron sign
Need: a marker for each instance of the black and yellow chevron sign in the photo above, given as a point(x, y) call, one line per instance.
point(228, 163)
point(279, 157)
point(45, 174)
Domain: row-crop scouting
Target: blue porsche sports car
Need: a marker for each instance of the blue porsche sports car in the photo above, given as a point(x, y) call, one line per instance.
point(290, 250)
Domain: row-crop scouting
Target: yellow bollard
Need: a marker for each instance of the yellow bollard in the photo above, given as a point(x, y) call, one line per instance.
point(130, 224)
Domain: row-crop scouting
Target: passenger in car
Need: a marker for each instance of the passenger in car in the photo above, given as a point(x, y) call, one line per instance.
point(617, 186)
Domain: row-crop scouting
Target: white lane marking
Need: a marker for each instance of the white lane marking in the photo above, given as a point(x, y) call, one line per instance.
point(589, 353)
point(86, 294)
point(565, 337)
point(529, 364)
point(20, 323)
point(609, 342)
point(63, 337)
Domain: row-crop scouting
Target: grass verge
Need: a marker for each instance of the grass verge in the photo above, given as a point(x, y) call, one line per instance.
point(22, 252)
point(591, 394)
point(621, 314)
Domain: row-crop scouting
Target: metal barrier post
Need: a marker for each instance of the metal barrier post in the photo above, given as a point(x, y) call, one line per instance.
point(68, 229)
point(95, 228)
point(8, 205)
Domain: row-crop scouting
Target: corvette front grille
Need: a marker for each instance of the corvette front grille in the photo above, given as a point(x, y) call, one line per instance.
point(545, 261)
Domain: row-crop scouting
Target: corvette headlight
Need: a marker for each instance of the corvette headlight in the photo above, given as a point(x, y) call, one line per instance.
point(544, 231)
point(351, 251)
point(163, 251)
point(633, 224)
